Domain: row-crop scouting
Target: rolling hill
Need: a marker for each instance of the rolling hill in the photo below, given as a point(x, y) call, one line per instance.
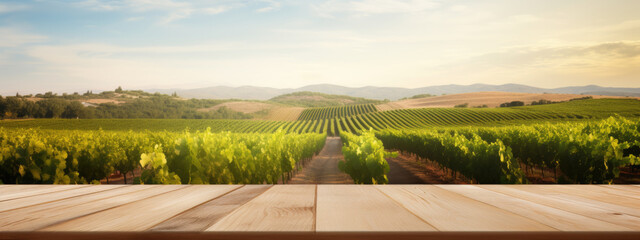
point(490, 99)
point(315, 99)
point(391, 93)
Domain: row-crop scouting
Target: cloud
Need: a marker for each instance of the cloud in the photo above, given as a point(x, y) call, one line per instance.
point(175, 10)
point(613, 62)
point(216, 10)
point(371, 7)
point(176, 15)
point(97, 5)
point(10, 37)
point(271, 6)
point(6, 8)
point(595, 54)
point(96, 66)
point(132, 5)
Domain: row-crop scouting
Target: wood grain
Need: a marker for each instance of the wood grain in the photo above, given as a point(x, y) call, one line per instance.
point(630, 188)
point(610, 190)
point(599, 193)
point(52, 196)
point(42, 215)
point(144, 214)
point(448, 211)
point(316, 211)
point(525, 192)
point(553, 217)
point(20, 191)
point(584, 196)
point(281, 208)
point(362, 208)
point(432, 235)
point(209, 213)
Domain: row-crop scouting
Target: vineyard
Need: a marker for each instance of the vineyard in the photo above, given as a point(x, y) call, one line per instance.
point(364, 158)
point(591, 152)
point(395, 119)
point(70, 157)
point(336, 112)
point(499, 145)
point(320, 120)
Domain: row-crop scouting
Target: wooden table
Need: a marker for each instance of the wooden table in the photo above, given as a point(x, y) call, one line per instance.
point(320, 211)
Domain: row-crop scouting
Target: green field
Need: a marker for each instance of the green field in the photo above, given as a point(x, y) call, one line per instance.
point(336, 112)
point(395, 119)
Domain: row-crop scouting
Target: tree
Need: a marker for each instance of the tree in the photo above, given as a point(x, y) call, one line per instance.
point(12, 106)
point(541, 102)
point(464, 105)
point(73, 110)
point(512, 104)
point(3, 107)
point(119, 89)
point(31, 109)
point(53, 107)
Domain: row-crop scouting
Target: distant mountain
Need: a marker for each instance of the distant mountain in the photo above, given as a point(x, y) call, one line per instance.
point(391, 93)
point(224, 92)
point(315, 99)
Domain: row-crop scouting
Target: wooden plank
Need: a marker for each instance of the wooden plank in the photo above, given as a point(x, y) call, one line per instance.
point(53, 196)
point(610, 190)
point(630, 188)
point(433, 235)
point(362, 208)
point(576, 207)
point(339, 209)
point(553, 217)
point(281, 208)
point(40, 216)
point(207, 214)
point(619, 204)
point(20, 191)
point(448, 211)
point(144, 214)
point(599, 193)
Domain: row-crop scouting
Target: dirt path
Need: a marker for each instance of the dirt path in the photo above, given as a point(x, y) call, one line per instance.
point(323, 168)
point(401, 175)
point(118, 178)
point(406, 170)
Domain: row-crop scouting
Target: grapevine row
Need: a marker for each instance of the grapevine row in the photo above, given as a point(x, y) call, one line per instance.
point(485, 162)
point(63, 157)
point(585, 152)
point(336, 112)
point(395, 119)
point(364, 158)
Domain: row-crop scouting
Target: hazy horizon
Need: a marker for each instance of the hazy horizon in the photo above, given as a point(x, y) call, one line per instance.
point(66, 46)
point(81, 91)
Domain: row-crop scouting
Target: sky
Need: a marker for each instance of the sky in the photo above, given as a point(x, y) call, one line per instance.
point(66, 46)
